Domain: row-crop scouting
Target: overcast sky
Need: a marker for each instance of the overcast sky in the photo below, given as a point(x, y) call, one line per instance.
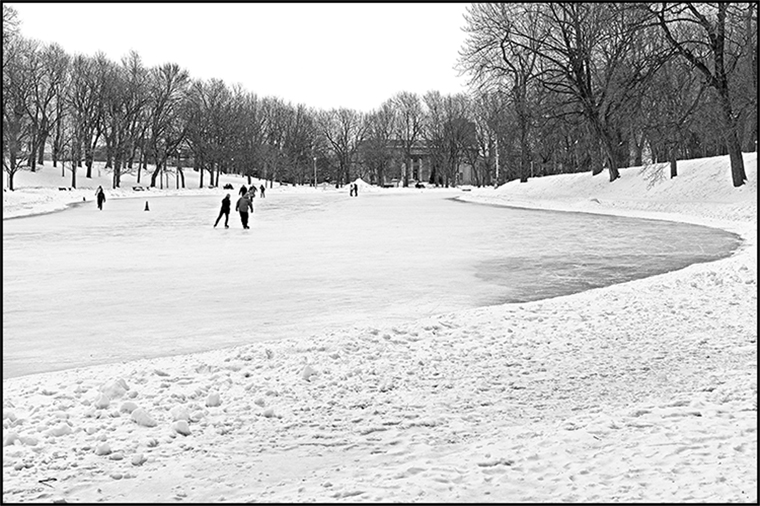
point(322, 55)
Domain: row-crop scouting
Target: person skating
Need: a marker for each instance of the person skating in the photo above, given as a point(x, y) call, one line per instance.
point(261, 189)
point(225, 210)
point(100, 195)
point(242, 206)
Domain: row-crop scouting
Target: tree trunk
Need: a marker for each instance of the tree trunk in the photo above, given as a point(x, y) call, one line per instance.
point(611, 158)
point(73, 176)
point(41, 150)
point(673, 162)
point(738, 175)
point(155, 175)
point(12, 163)
point(88, 159)
point(524, 161)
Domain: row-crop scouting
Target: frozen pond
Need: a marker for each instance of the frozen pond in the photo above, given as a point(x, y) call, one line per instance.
point(83, 287)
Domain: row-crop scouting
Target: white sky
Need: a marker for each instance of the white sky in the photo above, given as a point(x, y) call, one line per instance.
point(323, 55)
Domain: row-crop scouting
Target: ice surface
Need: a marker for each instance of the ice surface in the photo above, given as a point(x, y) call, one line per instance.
point(84, 287)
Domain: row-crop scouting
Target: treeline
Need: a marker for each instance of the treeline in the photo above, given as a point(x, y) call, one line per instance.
point(606, 81)
point(556, 88)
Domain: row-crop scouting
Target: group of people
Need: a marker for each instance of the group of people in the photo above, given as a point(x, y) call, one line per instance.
point(243, 205)
point(353, 190)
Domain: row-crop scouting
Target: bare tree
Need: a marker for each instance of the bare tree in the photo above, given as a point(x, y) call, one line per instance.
point(345, 129)
point(584, 54)
point(497, 57)
point(10, 32)
point(166, 130)
point(377, 153)
point(669, 103)
point(17, 90)
point(711, 38)
point(48, 97)
point(84, 94)
point(409, 124)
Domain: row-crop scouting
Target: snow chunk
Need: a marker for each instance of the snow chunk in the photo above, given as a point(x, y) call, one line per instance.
point(115, 390)
point(60, 430)
point(181, 427)
point(213, 400)
point(143, 418)
point(179, 413)
point(103, 449)
point(102, 401)
point(28, 440)
point(138, 459)
point(10, 438)
point(128, 407)
point(308, 372)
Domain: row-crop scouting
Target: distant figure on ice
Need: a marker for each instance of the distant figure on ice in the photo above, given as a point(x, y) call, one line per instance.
point(242, 206)
point(243, 190)
point(100, 195)
point(252, 192)
point(225, 210)
point(261, 189)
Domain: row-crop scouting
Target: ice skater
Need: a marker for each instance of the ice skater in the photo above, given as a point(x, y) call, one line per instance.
point(100, 195)
point(261, 189)
point(242, 206)
point(225, 210)
point(243, 190)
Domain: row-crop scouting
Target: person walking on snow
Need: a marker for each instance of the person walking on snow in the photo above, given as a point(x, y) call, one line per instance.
point(261, 189)
point(100, 195)
point(243, 190)
point(225, 210)
point(242, 206)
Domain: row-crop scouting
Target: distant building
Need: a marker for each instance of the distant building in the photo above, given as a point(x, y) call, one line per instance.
point(420, 168)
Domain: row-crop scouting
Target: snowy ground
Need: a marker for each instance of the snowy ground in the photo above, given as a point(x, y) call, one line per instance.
point(641, 391)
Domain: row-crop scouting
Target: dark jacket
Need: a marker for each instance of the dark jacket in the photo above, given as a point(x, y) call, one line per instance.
point(226, 204)
point(243, 204)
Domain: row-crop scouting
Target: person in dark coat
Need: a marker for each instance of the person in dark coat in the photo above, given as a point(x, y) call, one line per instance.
point(225, 210)
point(100, 195)
point(243, 190)
point(261, 189)
point(242, 206)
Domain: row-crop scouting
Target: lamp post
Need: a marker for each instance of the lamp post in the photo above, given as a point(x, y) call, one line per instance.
point(315, 172)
